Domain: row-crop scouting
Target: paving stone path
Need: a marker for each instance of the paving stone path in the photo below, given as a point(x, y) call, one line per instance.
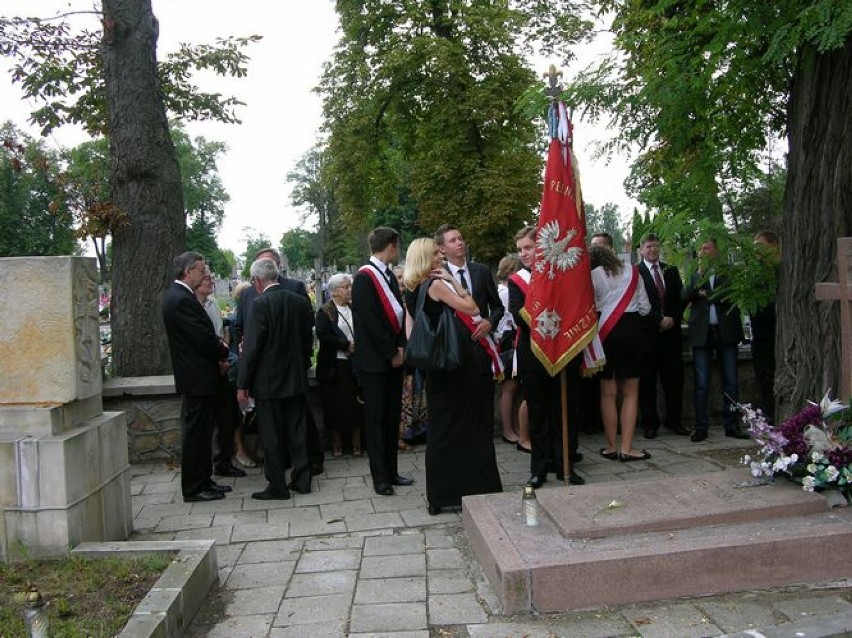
point(345, 562)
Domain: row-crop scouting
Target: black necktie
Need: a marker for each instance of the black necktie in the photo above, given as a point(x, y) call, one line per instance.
point(462, 278)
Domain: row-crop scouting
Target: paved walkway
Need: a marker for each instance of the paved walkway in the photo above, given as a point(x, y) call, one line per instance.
point(345, 562)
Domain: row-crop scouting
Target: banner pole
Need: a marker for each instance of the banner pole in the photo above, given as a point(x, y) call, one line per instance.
point(566, 456)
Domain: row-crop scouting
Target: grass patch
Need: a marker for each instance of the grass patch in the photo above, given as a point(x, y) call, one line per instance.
point(85, 598)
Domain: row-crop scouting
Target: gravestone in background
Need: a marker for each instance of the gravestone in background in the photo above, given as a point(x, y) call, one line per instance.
point(64, 472)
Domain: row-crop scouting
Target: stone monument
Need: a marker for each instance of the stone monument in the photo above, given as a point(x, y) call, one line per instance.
point(64, 471)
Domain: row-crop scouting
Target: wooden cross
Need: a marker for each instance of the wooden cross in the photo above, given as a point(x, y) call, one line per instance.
point(842, 292)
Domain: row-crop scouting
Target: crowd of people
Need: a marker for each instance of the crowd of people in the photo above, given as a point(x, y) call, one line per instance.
point(258, 364)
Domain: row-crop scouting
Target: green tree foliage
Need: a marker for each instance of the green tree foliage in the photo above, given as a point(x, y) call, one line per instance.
point(34, 219)
point(300, 246)
point(201, 237)
point(419, 106)
point(59, 66)
point(204, 195)
point(85, 181)
point(700, 89)
point(254, 242)
point(606, 219)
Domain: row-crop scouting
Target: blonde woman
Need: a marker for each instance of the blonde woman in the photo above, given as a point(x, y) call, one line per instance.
point(460, 458)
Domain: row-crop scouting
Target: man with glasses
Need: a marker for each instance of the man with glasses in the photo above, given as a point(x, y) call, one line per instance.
point(197, 357)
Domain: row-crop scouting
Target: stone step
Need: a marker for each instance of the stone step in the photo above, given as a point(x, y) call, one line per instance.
point(664, 538)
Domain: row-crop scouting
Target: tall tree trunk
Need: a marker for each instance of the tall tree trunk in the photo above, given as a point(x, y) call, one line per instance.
point(145, 184)
point(817, 210)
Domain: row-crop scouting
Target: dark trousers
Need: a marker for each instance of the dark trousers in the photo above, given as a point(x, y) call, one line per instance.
point(666, 365)
point(282, 424)
point(197, 415)
point(543, 395)
point(227, 417)
point(382, 394)
point(726, 354)
point(763, 359)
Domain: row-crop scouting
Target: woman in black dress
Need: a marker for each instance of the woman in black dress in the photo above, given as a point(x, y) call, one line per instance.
point(460, 458)
point(343, 412)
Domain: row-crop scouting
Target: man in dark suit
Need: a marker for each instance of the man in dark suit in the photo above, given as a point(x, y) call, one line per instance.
point(378, 314)
point(714, 327)
point(197, 356)
point(473, 276)
point(763, 323)
point(664, 286)
point(244, 309)
point(274, 371)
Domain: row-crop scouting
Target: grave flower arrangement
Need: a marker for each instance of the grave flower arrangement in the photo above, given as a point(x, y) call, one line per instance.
point(813, 447)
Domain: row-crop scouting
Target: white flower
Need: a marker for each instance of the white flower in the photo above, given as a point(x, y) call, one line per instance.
point(746, 460)
point(831, 473)
point(794, 458)
point(808, 483)
point(830, 406)
point(812, 468)
point(816, 456)
point(755, 470)
point(817, 439)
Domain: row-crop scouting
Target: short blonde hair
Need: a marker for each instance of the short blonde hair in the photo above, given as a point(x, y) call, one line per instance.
point(418, 262)
point(238, 290)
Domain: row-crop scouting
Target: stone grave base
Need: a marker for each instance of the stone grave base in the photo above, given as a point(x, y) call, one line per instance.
point(58, 490)
point(620, 543)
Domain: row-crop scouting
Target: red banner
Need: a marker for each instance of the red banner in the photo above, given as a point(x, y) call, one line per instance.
point(560, 305)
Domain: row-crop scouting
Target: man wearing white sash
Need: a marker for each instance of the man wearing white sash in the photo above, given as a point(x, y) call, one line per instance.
point(377, 359)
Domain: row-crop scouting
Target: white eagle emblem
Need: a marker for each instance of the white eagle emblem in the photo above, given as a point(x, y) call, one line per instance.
point(547, 324)
point(553, 252)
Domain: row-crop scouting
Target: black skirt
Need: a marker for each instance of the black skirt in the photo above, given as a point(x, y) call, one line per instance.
point(628, 346)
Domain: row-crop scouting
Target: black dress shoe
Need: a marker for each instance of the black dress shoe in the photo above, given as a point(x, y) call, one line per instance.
point(293, 488)
point(383, 489)
point(271, 495)
point(220, 488)
point(434, 510)
point(203, 495)
point(576, 479)
point(679, 430)
point(651, 433)
point(402, 480)
point(317, 469)
point(229, 470)
point(576, 457)
point(737, 433)
point(698, 436)
point(537, 481)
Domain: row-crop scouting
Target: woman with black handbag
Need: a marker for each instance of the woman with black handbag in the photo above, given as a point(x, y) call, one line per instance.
point(460, 458)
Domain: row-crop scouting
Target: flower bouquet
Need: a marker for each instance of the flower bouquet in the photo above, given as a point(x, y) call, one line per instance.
point(813, 447)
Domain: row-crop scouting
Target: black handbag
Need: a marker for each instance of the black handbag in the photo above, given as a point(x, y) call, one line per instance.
point(433, 348)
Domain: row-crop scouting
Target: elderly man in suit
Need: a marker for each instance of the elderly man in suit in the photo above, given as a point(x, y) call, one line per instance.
point(274, 371)
point(198, 357)
point(378, 357)
point(664, 286)
point(315, 450)
point(714, 327)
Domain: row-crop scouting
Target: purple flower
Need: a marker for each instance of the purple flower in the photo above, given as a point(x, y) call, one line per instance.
point(839, 457)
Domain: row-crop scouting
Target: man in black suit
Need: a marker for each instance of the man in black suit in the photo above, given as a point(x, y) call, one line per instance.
point(377, 310)
point(473, 277)
point(714, 327)
point(244, 309)
point(664, 286)
point(274, 371)
point(197, 356)
point(763, 324)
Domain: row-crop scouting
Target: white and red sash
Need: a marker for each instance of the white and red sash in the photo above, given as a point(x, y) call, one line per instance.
point(487, 342)
point(521, 278)
point(390, 304)
point(614, 311)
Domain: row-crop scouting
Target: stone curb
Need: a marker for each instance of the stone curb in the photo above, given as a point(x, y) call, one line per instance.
point(168, 609)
